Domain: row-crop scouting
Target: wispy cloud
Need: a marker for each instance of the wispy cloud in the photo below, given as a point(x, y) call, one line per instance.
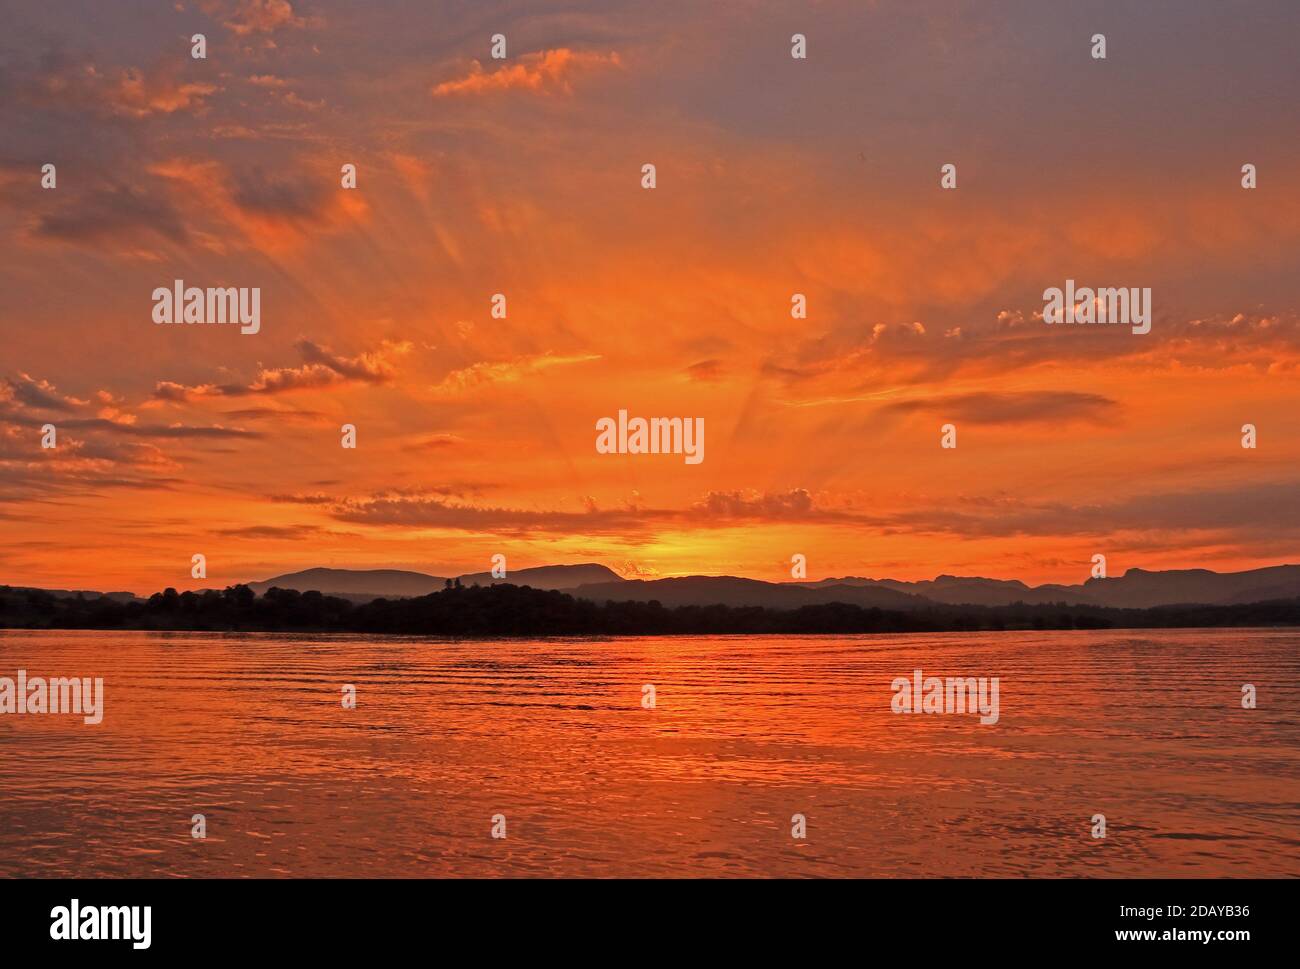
point(551, 71)
point(82, 86)
point(486, 373)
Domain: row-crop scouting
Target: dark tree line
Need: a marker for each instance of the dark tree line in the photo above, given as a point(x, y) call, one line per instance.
point(508, 610)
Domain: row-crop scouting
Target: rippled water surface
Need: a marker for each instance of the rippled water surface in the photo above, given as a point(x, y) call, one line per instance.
point(1144, 727)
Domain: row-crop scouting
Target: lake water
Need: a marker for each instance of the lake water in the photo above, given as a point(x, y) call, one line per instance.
point(1145, 727)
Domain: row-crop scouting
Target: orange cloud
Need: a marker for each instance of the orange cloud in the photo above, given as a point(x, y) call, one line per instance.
point(321, 368)
point(128, 92)
point(504, 371)
point(24, 390)
point(262, 17)
point(550, 70)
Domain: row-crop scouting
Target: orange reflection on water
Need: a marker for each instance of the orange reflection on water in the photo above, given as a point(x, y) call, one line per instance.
point(1144, 727)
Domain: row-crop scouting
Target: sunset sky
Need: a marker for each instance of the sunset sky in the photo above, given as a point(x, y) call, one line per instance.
point(522, 176)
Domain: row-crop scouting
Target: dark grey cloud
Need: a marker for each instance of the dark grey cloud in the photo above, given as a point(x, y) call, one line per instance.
point(111, 214)
point(1030, 407)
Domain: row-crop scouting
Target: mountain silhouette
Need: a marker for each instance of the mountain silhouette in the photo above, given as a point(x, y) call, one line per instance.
point(725, 590)
point(1135, 589)
point(354, 584)
point(562, 577)
point(364, 585)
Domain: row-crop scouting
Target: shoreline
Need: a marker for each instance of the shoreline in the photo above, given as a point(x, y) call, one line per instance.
point(513, 637)
point(513, 612)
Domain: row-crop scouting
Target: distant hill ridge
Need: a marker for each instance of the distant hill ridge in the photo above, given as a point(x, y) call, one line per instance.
point(561, 577)
point(73, 593)
point(368, 583)
point(707, 590)
point(1136, 588)
point(394, 583)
